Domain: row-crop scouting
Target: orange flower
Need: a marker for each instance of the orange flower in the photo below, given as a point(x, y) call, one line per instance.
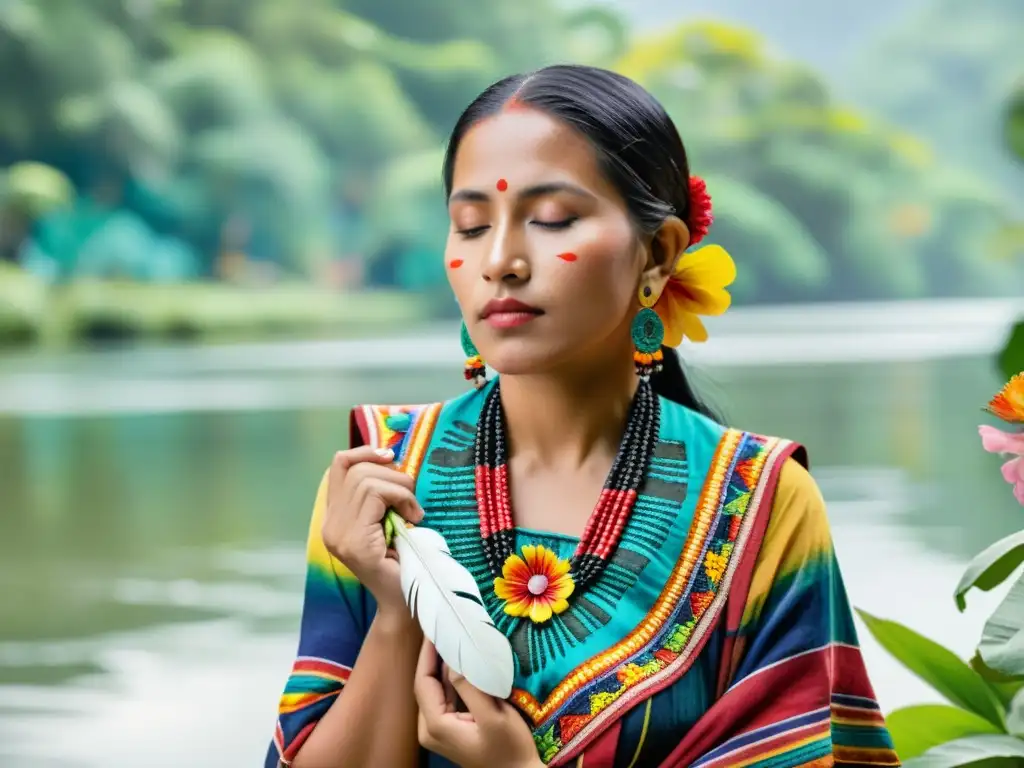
point(697, 287)
point(1008, 405)
point(535, 585)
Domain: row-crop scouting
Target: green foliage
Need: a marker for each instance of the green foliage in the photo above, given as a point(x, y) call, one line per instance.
point(1015, 125)
point(1011, 358)
point(859, 209)
point(32, 310)
point(1001, 649)
point(939, 667)
point(917, 729)
point(989, 751)
point(992, 567)
point(943, 73)
point(214, 111)
point(986, 725)
point(300, 133)
point(34, 189)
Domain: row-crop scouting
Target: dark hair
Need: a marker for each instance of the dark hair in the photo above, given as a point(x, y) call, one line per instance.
point(638, 148)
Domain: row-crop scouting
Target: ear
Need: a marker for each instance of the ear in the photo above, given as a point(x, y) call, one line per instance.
point(666, 247)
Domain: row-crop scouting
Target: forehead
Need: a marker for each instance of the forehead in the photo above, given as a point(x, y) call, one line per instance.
point(524, 146)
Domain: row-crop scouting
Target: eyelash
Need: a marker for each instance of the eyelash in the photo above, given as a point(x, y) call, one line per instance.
point(553, 226)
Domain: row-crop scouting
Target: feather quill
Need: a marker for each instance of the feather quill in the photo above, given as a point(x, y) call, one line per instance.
point(444, 597)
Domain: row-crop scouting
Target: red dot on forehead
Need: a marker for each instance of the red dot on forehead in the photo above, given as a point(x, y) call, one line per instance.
point(502, 185)
point(567, 256)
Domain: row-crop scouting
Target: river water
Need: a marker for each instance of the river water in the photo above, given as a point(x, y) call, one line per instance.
point(152, 519)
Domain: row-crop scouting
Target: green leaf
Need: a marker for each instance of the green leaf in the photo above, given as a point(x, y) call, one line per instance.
point(984, 750)
point(1002, 640)
point(1015, 717)
point(1015, 125)
point(917, 729)
point(937, 666)
point(992, 567)
point(1004, 686)
point(1011, 359)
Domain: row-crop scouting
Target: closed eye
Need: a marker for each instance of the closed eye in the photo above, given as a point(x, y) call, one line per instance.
point(472, 232)
point(557, 225)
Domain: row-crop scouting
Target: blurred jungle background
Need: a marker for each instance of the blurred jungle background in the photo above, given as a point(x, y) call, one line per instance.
point(221, 225)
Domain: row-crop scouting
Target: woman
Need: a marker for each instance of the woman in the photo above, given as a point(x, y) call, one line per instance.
point(695, 615)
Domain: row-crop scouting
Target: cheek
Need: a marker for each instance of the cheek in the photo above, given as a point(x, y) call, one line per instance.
point(600, 268)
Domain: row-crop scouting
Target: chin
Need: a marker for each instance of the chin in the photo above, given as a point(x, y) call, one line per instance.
point(518, 358)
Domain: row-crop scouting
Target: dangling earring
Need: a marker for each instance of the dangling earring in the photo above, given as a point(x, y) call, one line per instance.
point(648, 332)
point(474, 370)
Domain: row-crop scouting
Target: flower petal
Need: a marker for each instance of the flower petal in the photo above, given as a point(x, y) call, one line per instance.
point(694, 329)
point(507, 590)
point(559, 569)
point(1018, 493)
point(559, 606)
point(700, 300)
point(1008, 404)
point(671, 318)
point(530, 557)
point(997, 441)
point(561, 588)
point(708, 267)
point(1013, 470)
point(518, 607)
point(546, 560)
point(516, 570)
point(540, 611)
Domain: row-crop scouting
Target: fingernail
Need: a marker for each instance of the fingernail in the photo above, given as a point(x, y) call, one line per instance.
point(385, 453)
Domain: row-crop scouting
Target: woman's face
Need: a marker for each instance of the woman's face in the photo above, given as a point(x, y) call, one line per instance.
point(541, 254)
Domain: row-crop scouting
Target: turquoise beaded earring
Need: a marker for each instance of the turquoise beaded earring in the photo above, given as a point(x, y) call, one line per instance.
point(474, 369)
point(648, 334)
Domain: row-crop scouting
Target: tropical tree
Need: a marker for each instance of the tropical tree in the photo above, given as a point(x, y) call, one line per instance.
point(819, 201)
point(943, 72)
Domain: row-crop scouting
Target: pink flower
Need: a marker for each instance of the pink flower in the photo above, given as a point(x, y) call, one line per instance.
point(1007, 443)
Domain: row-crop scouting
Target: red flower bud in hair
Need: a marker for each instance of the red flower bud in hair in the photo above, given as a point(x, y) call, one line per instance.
point(700, 218)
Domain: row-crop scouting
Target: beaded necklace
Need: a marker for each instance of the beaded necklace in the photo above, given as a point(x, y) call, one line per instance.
point(607, 521)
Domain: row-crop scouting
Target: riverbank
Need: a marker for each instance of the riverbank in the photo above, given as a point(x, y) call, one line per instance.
point(34, 315)
point(253, 376)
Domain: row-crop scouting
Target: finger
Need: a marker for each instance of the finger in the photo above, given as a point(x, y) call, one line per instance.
point(449, 690)
point(387, 472)
point(374, 497)
point(481, 706)
point(426, 685)
point(438, 728)
point(344, 460)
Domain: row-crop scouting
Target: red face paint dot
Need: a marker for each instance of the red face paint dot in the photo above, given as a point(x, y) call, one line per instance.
point(502, 185)
point(455, 263)
point(567, 256)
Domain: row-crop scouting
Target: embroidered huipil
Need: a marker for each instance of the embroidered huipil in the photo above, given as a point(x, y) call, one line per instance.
point(719, 634)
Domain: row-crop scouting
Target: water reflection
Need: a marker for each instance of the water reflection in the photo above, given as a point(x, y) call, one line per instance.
point(150, 566)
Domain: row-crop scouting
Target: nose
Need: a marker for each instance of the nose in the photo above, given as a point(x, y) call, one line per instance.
point(507, 260)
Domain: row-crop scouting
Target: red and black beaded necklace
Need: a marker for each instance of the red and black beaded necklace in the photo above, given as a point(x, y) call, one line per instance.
point(613, 508)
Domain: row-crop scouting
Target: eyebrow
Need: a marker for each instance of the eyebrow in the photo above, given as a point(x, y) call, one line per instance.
point(538, 190)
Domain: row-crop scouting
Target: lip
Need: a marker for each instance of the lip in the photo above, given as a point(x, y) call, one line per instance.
point(508, 313)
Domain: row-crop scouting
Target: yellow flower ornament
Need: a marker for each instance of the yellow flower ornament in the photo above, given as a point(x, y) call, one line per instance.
point(535, 585)
point(697, 287)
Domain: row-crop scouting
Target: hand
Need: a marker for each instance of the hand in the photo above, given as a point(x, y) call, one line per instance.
point(491, 734)
point(362, 485)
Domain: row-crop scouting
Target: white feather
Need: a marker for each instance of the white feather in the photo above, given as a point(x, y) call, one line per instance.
point(444, 596)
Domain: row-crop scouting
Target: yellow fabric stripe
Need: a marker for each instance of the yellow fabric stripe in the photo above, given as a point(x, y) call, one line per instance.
point(790, 540)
